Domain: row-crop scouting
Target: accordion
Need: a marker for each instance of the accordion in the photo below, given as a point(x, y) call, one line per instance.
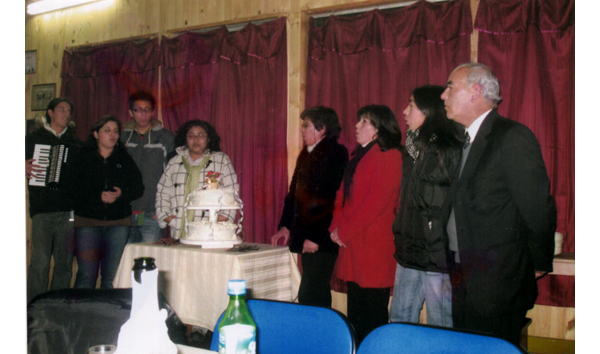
point(53, 159)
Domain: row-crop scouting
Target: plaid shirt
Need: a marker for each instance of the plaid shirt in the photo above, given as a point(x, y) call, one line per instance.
point(170, 195)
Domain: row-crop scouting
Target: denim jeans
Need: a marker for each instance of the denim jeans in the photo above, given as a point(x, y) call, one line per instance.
point(412, 287)
point(99, 247)
point(51, 235)
point(148, 232)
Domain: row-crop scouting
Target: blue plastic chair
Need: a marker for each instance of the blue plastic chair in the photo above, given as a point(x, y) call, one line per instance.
point(286, 327)
point(422, 339)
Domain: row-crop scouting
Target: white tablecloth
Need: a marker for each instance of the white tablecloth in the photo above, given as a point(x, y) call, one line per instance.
point(194, 280)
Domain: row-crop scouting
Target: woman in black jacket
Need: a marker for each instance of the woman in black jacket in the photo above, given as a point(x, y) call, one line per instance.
point(432, 155)
point(308, 207)
point(107, 180)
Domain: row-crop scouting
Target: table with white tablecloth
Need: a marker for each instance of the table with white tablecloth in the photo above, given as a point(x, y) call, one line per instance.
point(194, 280)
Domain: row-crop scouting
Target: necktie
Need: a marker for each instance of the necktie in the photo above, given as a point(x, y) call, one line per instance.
point(465, 153)
point(467, 140)
point(451, 226)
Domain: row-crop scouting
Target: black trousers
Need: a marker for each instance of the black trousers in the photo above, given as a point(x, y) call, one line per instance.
point(367, 309)
point(317, 269)
point(465, 316)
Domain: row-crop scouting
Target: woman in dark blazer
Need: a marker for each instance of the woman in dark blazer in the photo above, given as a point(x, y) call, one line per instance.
point(364, 210)
point(308, 207)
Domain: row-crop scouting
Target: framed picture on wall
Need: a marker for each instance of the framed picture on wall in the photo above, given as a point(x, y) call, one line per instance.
point(41, 95)
point(30, 61)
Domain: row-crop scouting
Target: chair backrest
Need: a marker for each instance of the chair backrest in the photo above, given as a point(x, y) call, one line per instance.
point(423, 339)
point(285, 327)
point(72, 320)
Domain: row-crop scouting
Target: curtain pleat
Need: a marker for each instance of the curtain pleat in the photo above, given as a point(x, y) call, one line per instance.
point(380, 57)
point(99, 80)
point(530, 44)
point(238, 83)
point(391, 30)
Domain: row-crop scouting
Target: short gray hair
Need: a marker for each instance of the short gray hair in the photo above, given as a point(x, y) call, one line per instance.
point(484, 76)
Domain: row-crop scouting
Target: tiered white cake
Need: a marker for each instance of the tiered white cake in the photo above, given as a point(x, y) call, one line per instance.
point(212, 233)
point(207, 198)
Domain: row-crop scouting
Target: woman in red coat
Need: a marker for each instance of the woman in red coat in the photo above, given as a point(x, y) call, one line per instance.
point(363, 214)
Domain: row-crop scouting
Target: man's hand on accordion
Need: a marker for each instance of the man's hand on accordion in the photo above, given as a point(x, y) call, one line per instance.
point(31, 170)
point(110, 197)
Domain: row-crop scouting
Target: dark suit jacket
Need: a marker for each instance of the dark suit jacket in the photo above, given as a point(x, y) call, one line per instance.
point(505, 217)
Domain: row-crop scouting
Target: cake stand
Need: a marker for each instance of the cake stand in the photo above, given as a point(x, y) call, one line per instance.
point(213, 214)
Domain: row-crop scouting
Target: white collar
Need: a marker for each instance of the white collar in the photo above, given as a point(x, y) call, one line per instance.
point(49, 128)
point(365, 145)
point(310, 148)
point(474, 127)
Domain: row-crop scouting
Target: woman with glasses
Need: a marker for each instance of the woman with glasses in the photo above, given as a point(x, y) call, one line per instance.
point(198, 153)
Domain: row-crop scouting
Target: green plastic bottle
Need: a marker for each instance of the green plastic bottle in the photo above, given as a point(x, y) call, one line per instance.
point(237, 330)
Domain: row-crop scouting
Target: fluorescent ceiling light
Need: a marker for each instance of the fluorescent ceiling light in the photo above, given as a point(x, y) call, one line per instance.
point(40, 7)
point(365, 9)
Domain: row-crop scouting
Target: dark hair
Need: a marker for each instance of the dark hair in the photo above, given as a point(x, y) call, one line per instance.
point(324, 117)
point(52, 105)
point(92, 142)
point(428, 100)
point(214, 140)
point(141, 96)
point(383, 119)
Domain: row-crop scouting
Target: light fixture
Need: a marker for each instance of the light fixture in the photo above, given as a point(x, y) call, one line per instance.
point(40, 7)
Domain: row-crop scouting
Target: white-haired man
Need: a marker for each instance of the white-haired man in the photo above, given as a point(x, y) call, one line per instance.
point(501, 216)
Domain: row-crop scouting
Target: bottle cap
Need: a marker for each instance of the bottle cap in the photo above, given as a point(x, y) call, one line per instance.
point(236, 287)
point(144, 263)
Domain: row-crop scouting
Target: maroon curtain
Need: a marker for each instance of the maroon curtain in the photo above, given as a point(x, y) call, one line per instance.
point(238, 83)
point(380, 57)
point(99, 80)
point(530, 44)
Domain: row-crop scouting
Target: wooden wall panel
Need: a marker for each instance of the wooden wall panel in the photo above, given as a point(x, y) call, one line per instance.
point(552, 322)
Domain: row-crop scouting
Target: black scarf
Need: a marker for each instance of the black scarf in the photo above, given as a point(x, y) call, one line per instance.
point(357, 155)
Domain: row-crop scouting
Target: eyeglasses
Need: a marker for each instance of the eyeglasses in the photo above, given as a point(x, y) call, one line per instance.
point(307, 125)
point(194, 136)
point(65, 110)
point(143, 110)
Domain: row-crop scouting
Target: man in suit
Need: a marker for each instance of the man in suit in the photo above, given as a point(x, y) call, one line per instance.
point(501, 216)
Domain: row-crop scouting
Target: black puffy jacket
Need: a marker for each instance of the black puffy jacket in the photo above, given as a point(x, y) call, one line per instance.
point(419, 229)
point(96, 174)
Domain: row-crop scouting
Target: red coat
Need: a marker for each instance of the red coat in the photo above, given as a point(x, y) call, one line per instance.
point(365, 223)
